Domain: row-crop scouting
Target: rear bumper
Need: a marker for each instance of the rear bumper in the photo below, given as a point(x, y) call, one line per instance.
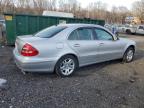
point(33, 64)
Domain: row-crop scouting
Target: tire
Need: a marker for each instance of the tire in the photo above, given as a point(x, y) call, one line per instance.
point(66, 66)
point(133, 33)
point(128, 31)
point(129, 55)
point(117, 34)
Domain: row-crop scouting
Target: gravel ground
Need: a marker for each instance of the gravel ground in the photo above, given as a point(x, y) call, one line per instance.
point(105, 85)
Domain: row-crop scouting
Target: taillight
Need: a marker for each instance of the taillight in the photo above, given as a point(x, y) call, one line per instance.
point(28, 50)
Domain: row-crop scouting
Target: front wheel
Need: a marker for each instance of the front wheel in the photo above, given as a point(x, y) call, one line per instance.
point(129, 55)
point(66, 66)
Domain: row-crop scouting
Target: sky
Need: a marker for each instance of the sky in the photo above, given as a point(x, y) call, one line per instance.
point(110, 3)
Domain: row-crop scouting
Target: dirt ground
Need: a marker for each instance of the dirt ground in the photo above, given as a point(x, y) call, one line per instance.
point(106, 85)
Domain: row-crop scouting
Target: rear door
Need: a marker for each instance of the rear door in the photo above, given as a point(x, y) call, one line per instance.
point(108, 47)
point(82, 42)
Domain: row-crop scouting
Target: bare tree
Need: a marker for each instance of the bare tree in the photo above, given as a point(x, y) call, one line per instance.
point(52, 4)
point(95, 10)
point(123, 13)
point(138, 9)
point(7, 6)
point(1, 9)
point(68, 5)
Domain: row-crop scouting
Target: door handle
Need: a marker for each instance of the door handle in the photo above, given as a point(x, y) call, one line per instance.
point(76, 45)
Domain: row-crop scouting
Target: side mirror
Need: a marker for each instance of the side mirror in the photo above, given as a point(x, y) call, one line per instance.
point(116, 38)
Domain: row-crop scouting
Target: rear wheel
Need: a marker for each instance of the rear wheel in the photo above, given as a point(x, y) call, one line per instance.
point(129, 55)
point(128, 31)
point(66, 66)
point(133, 33)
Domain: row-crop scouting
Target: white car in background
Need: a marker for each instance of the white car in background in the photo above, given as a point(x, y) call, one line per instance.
point(134, 29)
point(114, 28)
point(121, 28)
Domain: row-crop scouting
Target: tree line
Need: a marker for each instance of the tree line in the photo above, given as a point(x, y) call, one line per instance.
point(94, 10)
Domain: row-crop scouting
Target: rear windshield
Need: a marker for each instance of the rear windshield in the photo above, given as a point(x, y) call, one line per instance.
point(50, 31)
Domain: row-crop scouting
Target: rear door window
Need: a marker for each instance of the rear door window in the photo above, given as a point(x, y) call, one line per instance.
point(82, 34)
point(73, 35)
point(85, 34)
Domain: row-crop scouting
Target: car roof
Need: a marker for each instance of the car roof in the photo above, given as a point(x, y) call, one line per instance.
point(77, 25)
point(80, 25)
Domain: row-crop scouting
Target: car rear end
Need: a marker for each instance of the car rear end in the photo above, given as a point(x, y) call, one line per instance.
point(28, 57)
point(36, 53)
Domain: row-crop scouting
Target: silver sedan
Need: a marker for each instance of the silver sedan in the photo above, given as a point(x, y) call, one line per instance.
point(64, 48)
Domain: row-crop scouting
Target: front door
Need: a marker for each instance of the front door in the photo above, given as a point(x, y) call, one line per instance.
point(108, 48)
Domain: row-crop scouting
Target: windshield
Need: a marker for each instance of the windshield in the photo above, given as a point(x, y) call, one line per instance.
point(50, 31)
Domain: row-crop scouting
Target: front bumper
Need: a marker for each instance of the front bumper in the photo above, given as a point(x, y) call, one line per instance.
point(31, 64)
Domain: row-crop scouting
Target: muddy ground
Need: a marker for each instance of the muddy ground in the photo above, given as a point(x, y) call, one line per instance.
point(106, 85)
